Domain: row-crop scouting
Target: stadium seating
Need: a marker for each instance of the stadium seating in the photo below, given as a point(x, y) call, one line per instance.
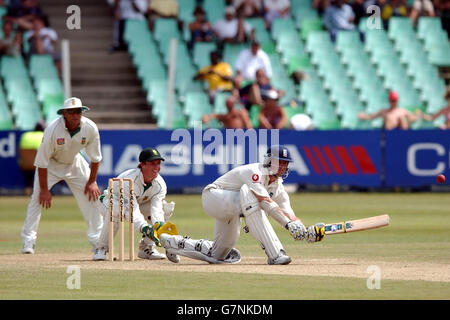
point(344, 78)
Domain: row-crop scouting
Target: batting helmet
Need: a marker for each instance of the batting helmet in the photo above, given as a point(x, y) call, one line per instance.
point(277, 152)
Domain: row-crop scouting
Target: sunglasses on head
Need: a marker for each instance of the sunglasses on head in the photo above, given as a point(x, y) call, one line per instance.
point(74, 111)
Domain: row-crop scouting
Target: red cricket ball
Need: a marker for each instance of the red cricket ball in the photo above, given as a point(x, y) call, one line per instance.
point(440, 178)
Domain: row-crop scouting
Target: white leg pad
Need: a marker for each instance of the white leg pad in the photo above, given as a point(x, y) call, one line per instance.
point(195, 249)
point(258, 225)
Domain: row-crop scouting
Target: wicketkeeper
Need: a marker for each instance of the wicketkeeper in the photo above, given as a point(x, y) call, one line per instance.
point(250, 191)
point(149, 206)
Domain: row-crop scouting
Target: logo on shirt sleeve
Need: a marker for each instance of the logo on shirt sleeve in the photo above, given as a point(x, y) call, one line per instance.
point(255, 177)
point(60, 141)
point(83, 140)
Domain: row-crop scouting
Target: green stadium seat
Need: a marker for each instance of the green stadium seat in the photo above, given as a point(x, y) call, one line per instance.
point(347, 39)
point(165, 29)
point(254, 115)
point(201, 53)
point(310, 25)
point(214, 9)
point(220, 102)
point(304, 13)
point(297, 62)
point(399, 27)
point(196, 104)
point(51, 104)
point(186, 10)
point(136, 31)
point(427, 25)
point(6, 122)
point(280, 26)
point(50, 86)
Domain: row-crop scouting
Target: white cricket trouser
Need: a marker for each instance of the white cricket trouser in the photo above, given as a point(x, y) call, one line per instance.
point(138, 219)
point(76, 177)
point(225, 207)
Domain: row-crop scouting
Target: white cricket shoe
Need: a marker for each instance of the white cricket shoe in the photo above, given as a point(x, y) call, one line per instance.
point(28, 247)
point(281, 259)
point(173, 257)
point(150, 253)
point(100, 254)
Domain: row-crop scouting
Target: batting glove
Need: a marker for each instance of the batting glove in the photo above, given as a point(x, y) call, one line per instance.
point(296, 229)
point(316, 232)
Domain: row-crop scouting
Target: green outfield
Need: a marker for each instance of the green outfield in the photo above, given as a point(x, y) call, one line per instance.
point(411, 257)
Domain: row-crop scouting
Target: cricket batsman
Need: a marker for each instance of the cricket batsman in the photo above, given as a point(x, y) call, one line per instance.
point(250, 191)
point(149, 206)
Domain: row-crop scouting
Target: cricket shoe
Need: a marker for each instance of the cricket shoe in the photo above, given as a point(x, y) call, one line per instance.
point(281, 259)
point(173, 257)
point(28, 247)
point(150, 253)
point(100, 254)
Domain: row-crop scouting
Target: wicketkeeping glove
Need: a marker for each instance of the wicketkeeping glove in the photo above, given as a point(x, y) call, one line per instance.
point(150, 232)
point(316, 232)
point(296, 229)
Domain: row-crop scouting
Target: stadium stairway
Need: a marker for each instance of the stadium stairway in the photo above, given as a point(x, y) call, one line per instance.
point(106, 82)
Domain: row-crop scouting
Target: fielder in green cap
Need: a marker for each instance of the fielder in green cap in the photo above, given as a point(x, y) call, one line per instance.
point(150, 206)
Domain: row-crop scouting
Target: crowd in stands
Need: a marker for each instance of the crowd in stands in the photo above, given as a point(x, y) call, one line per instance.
point(27, 31)
point(251, 82)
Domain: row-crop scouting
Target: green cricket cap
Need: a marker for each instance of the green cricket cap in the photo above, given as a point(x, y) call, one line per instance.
point(150, 154)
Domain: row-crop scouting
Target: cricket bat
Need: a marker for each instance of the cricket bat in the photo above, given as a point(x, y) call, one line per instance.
point(357, 225)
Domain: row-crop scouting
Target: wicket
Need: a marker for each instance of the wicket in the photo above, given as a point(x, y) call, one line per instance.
point(121, 218)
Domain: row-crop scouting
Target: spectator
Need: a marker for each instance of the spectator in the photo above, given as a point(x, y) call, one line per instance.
point(256, 93)
point(394, 8)
point(421, 7)
point(42, 40)
point(201, 30)
point(248, 8)
point(276, 9)
point(163, 9)
point(28, 146)
point(320, 6)
point(11, 42)
point(339, 16)
point(233, 119)
point(24, 15)
point(394, 117)
point(248, 61)
point(445, 111)
point(219, 75)
point(442, 8)
point(301, 122)
point(126, 10)
point(232, 29)
point(272, 116)
point(360, 9)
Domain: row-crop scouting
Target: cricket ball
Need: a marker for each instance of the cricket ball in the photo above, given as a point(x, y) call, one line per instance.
point(440, 178)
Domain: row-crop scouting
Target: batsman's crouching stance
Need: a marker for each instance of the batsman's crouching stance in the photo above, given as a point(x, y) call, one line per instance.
point(250, 191)
point(149, 206)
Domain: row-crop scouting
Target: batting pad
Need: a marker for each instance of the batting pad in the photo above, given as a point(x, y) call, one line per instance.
point(258, 224)
point(195, 249)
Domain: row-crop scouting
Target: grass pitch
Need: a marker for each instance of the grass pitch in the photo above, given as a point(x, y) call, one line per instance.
point(412, 255)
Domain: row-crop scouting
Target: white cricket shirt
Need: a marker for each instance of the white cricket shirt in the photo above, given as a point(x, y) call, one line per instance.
point(59, 146)
point(256, 177)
